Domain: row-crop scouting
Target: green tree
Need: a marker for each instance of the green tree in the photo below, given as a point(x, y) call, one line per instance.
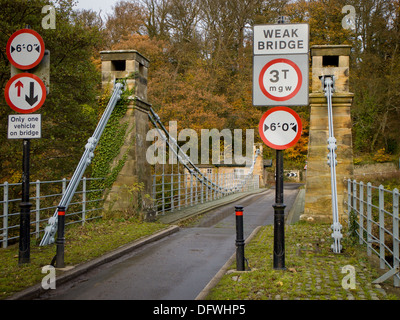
point(69, 114)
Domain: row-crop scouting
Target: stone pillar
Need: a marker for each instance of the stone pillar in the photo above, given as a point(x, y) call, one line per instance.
point(328, 60)
point(116, 65)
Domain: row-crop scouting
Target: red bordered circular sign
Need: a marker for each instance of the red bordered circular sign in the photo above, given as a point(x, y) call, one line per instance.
point(25, 93)
point(280, 128)
point(280, 79)
point(25, 49)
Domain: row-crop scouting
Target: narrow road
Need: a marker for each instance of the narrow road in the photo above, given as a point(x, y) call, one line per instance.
point(179, 266)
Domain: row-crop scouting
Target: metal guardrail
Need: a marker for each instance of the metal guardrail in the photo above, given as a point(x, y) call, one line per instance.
point(45, 196)
point(176, 191)
point(194, 185)
point(375, 211)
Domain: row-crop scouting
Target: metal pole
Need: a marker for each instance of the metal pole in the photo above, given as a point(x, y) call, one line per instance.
point(279, 216)
point(239, 239)
point(24, 228)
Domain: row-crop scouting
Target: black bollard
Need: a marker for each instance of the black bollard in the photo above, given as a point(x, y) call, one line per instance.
point(60, 238)
point(239, 239)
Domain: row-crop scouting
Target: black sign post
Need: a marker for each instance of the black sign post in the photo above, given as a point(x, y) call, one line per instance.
point(25, 205)
point(279, 128)
point(279, 216)
point(25, 93)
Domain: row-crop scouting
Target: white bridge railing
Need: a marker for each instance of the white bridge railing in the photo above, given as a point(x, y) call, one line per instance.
point(374, 217)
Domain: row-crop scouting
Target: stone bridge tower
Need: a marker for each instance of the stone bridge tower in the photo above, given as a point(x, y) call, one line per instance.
point(117, 65)
point(328, 60)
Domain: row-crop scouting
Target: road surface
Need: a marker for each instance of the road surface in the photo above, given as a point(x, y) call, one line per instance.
point(179, 266)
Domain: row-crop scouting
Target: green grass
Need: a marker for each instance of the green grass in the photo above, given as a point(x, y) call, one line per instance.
point(83, 243)
point(313, 271)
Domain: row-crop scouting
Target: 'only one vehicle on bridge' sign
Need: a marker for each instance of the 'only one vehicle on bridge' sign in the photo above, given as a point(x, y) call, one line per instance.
point(280, 128)
point(280, 65)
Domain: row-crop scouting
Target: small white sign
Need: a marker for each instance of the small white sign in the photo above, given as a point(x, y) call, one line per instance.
point(281, 39)
point(25, 126)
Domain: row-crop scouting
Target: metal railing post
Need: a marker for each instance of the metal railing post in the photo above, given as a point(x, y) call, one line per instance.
point(381, 227)
point(369, 218)
point(349, 197)
point(5, 215)
point(37, 222)
point(83, 200)
point(396, 248)
point(361, 220)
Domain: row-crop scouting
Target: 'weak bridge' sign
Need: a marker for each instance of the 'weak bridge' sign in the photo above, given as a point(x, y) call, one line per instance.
point(280, 65)
point(281, 39)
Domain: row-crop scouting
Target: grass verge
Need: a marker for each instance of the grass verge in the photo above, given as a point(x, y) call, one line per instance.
point(83, 243)
point(313, 271)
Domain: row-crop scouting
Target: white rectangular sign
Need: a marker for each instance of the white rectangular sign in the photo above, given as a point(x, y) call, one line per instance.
point(25, 126)
point(280, 80)
point(281, 39)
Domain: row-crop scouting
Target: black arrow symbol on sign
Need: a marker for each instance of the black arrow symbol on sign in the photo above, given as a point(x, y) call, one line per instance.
point(265, 127)
point(294, 128)
point(31, 99)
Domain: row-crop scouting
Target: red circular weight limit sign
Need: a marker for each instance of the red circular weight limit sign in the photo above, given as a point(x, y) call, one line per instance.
point(280, 79)
point(280, 128)
point(25, 49)
point(25, 93)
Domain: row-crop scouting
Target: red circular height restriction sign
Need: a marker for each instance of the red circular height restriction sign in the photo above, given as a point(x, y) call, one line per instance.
point(25, 49)
point(280, 128)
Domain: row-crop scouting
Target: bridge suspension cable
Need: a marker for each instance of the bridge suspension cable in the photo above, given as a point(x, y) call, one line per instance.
point(328, 85)
point(190, 166)
point(86, 159)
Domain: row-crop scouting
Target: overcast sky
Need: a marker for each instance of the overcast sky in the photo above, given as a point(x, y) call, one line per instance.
point(96, 5)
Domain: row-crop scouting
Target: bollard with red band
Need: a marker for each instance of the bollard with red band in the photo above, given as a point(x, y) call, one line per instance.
point(239, 239)
point(60, 238)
